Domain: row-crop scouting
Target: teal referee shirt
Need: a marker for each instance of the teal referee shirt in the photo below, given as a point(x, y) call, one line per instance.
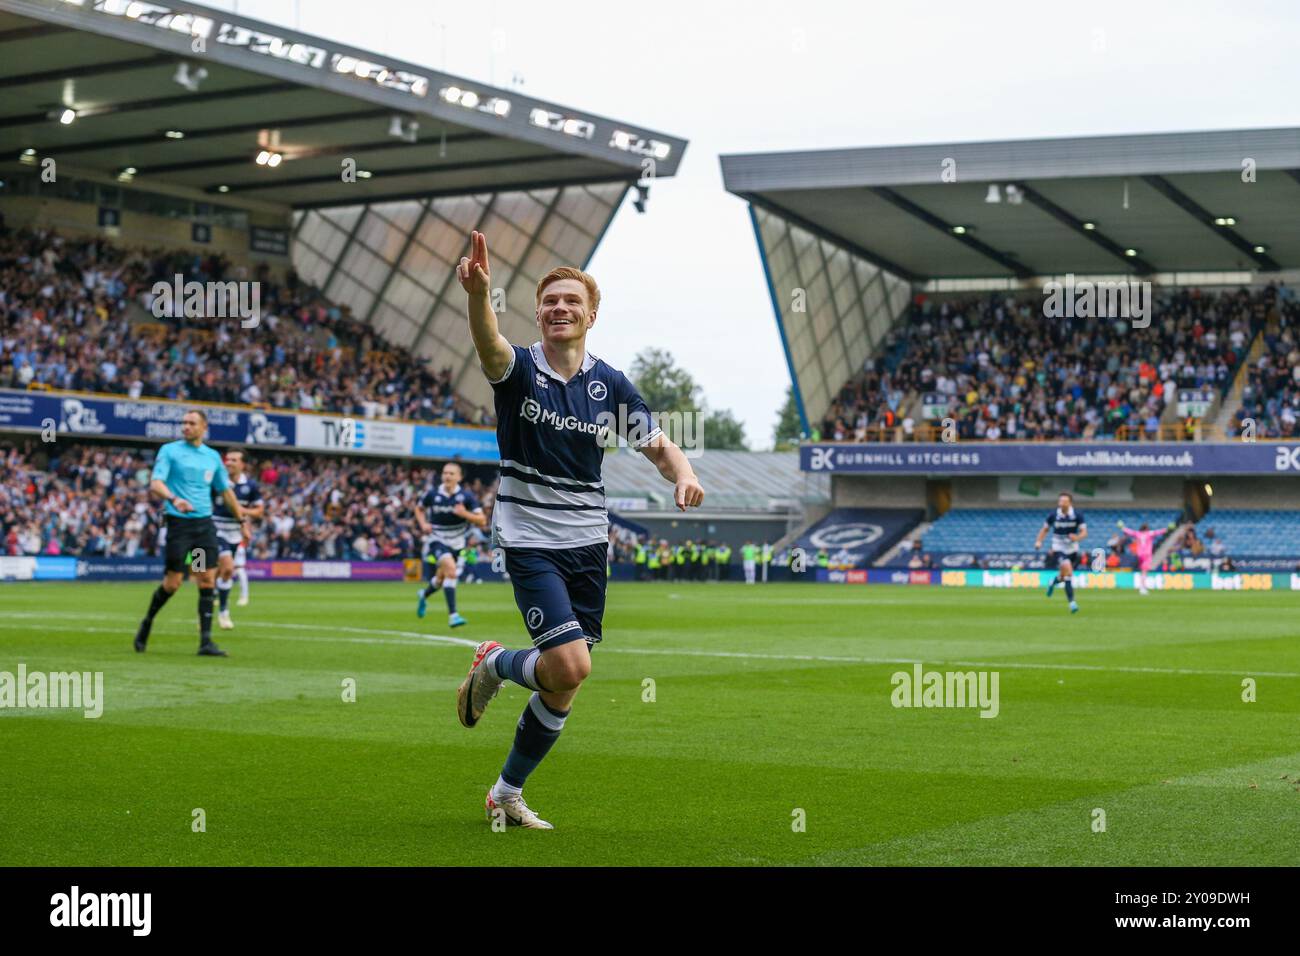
point(190, 473)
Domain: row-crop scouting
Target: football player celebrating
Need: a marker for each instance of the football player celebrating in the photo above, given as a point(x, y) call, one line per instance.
point(1144, 541)
point(450, 510)
point(554, 401)
point(1067, 528)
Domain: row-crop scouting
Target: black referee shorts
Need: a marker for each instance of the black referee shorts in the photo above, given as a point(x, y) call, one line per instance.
point(191, 542)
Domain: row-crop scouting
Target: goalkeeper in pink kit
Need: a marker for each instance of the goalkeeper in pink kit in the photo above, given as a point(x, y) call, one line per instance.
point(1144, 541)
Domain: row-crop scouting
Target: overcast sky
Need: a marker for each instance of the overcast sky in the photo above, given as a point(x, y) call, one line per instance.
point(757, 76)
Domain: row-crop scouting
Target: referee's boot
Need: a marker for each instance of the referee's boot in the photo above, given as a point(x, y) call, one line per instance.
point(142, 635)
point(210, 649)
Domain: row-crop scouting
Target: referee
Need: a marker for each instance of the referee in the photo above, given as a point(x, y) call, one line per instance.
point(185, 474)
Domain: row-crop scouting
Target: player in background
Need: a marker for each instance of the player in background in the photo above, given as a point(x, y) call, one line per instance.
point(1144, 540)
point(1067, 528)
point(450, 508)
point(234, 534)
point(554, 403)
point(185, 475)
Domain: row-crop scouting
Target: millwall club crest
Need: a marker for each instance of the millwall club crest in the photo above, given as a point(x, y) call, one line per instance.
point(534, 617)
point(597, 391)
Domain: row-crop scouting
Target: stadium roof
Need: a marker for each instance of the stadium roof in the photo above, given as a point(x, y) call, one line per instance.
point(1159, 195)
point(847, 235)
point(120, 65)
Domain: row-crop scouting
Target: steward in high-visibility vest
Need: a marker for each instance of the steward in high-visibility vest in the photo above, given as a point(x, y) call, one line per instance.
point(724, 562)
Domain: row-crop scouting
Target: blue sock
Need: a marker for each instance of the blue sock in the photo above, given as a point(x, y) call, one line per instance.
point(1069, 590)
point(449, 592)
point(539, 728)
point(518, 666)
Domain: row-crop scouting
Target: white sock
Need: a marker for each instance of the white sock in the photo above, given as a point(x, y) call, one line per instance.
point(243, 582)
point(501, 790)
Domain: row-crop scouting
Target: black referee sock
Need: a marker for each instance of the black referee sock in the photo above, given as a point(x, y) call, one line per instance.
point(205, 615)
point(160, 597)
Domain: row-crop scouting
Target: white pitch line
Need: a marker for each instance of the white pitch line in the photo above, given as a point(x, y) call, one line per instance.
point(450, 641)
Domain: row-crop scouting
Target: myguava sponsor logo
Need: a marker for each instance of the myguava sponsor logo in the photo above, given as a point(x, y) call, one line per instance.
point(947, 689)
point(532, 412)
point(75, 908)
point(77, 417)
point(53, 690)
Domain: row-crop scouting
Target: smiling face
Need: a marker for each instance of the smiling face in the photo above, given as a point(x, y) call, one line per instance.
point(1064, 502)
point(563, 313)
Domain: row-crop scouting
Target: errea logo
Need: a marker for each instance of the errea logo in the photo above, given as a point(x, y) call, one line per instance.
point(1288, 459)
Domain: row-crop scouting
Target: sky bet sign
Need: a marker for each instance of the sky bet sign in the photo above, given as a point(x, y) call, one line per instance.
point(1059, 458)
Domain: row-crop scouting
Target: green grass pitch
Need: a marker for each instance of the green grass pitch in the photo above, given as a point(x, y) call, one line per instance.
point(768, 700)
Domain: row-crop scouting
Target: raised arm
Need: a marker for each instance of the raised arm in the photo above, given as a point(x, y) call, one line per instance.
point(475, 275)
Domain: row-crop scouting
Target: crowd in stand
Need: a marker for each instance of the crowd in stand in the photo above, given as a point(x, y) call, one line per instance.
point(65, 323)
point(1271, 395)
point(91, 500)
point(1000, 370)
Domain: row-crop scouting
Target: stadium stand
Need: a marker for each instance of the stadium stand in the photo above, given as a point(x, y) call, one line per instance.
point(995, 366)
point(1250, 534)
point(1005, 536)
point(93, 500)
point(68, 321)
point(1271, 394)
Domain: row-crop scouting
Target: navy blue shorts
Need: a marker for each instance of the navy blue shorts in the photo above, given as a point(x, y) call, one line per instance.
point(1054, 559)
point(560, 592)
point(435, 550)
